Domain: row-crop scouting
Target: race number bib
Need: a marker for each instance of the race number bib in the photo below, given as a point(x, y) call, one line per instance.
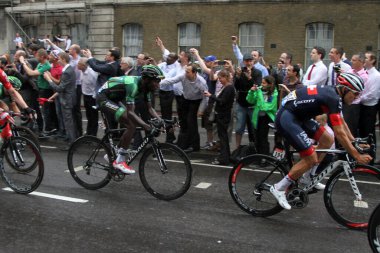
point(278, 153)
point(290, 97)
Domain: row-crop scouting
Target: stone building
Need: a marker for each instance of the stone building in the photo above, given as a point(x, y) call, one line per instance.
point(271, 26)
point(90, 23)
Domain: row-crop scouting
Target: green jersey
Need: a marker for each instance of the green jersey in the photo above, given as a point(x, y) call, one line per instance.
point(41, 82)
point(126, 86)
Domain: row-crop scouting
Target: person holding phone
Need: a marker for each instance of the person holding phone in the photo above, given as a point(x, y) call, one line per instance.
point(223, 100)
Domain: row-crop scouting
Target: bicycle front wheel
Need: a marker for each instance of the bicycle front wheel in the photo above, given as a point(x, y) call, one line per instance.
point(27, 133)
point(341, 202)
point(165, 171)
point(89, 162)
point(374, 230)
point(249, 183)
point(23, 168)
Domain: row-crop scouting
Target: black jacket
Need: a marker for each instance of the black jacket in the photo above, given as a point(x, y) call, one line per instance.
point(105, 70)
point(243, 85)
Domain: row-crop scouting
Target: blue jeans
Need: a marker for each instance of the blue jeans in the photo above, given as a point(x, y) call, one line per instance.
point(241, 118)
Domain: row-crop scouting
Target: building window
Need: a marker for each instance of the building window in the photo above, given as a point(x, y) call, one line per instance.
point(132, 39)
point(189, 36)
point(251, 37)
point(31, 31)
point(78, 34)
point(321, 35)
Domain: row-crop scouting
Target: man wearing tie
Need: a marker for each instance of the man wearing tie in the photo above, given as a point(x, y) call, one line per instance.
point(316, 74)
point(335, 56)
point(67, 94)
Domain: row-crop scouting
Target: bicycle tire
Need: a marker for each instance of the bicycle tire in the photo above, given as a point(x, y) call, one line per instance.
point(172, 184)
point(374, 230)
point(92, 174)
point(340, 200)
point(249, 184)
point(29, 134)
point(26, 172)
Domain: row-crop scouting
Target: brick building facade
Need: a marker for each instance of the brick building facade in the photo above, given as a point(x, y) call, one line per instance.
point(278, 26)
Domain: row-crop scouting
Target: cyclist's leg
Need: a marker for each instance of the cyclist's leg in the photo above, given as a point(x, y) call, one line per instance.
point(288, 125)
point(111, 108)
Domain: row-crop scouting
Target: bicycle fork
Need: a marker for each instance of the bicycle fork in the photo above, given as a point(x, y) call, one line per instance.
point(160, 158)
point(358, 202)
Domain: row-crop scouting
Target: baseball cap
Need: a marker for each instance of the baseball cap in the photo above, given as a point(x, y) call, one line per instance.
point(55, 53)
point(247, 57)
point(210, 58)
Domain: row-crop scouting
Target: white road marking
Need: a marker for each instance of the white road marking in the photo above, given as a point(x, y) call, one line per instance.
point(48, 147)
point(52, 196)
point(203, 185)
point(76, 169)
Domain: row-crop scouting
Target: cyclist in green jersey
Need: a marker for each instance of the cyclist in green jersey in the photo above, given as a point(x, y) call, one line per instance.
point(125, 89)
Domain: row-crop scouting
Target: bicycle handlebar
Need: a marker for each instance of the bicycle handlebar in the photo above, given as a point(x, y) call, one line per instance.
point(368, 141)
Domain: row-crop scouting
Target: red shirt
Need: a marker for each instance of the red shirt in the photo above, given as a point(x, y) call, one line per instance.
point(56, 71)
point(4, 80)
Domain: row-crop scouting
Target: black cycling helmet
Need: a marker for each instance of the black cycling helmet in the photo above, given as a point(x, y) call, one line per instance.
point(351, 81)
point(152, 71)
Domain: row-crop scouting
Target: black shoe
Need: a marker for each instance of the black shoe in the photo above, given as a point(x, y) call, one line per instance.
point(189, 150)
point(217, 162)
point(65, 148)
point(51, 132)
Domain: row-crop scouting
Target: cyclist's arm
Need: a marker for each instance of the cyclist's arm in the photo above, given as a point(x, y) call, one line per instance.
point(340, 134)
point(151, 110)
point(17, 98)
point(136, 119)
point(348, 132)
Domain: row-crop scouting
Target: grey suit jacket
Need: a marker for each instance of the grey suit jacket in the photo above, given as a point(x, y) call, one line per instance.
point(66, 88)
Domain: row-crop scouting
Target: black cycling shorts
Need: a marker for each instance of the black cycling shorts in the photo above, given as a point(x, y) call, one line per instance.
point(298, 133)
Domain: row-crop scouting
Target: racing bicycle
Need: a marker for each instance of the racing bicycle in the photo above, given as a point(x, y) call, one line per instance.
point(351, 194)
point(165, 170)
point(374, 230)
point(21, 163)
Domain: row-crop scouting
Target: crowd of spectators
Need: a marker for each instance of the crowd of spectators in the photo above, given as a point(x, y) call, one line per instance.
point(216, 90)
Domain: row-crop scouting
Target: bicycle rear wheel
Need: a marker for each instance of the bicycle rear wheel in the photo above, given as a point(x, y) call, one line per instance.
point(374, 230)
point(89, 162)
point(341, 202)
point(169, 180)
point(23, 168)
point(249, 184)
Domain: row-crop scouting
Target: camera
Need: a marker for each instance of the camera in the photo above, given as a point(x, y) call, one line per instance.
point(221, 63)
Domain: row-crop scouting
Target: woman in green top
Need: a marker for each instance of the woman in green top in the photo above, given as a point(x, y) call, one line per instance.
point(264, 100)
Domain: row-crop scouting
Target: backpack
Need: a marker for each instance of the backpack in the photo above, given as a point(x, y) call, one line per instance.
point(243, 151)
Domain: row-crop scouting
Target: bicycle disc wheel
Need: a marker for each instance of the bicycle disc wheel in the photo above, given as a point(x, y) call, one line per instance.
point(374, 230)
point(89, 162)
point(23, 169)
point(249, 184)
point(341, 203)
point(27, 133)
point(169, 180)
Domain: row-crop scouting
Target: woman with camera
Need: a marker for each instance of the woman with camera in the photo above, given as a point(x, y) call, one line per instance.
point(264, 100)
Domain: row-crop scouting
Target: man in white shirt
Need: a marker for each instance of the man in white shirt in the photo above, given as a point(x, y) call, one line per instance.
point(88, 80)
point(18, 41)
point(369, 97)
point(316, 74)
point(351, 112)
point(335, 56)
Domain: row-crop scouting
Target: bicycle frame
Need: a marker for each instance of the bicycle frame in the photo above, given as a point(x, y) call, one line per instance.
point(347, 166)
point(148, 139)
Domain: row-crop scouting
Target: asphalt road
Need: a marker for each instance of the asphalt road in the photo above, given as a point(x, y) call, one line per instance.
point(123, 217)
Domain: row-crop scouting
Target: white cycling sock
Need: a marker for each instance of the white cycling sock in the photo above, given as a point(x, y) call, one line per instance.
point(313, 170)
point(121, 155)
point(284, 183)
